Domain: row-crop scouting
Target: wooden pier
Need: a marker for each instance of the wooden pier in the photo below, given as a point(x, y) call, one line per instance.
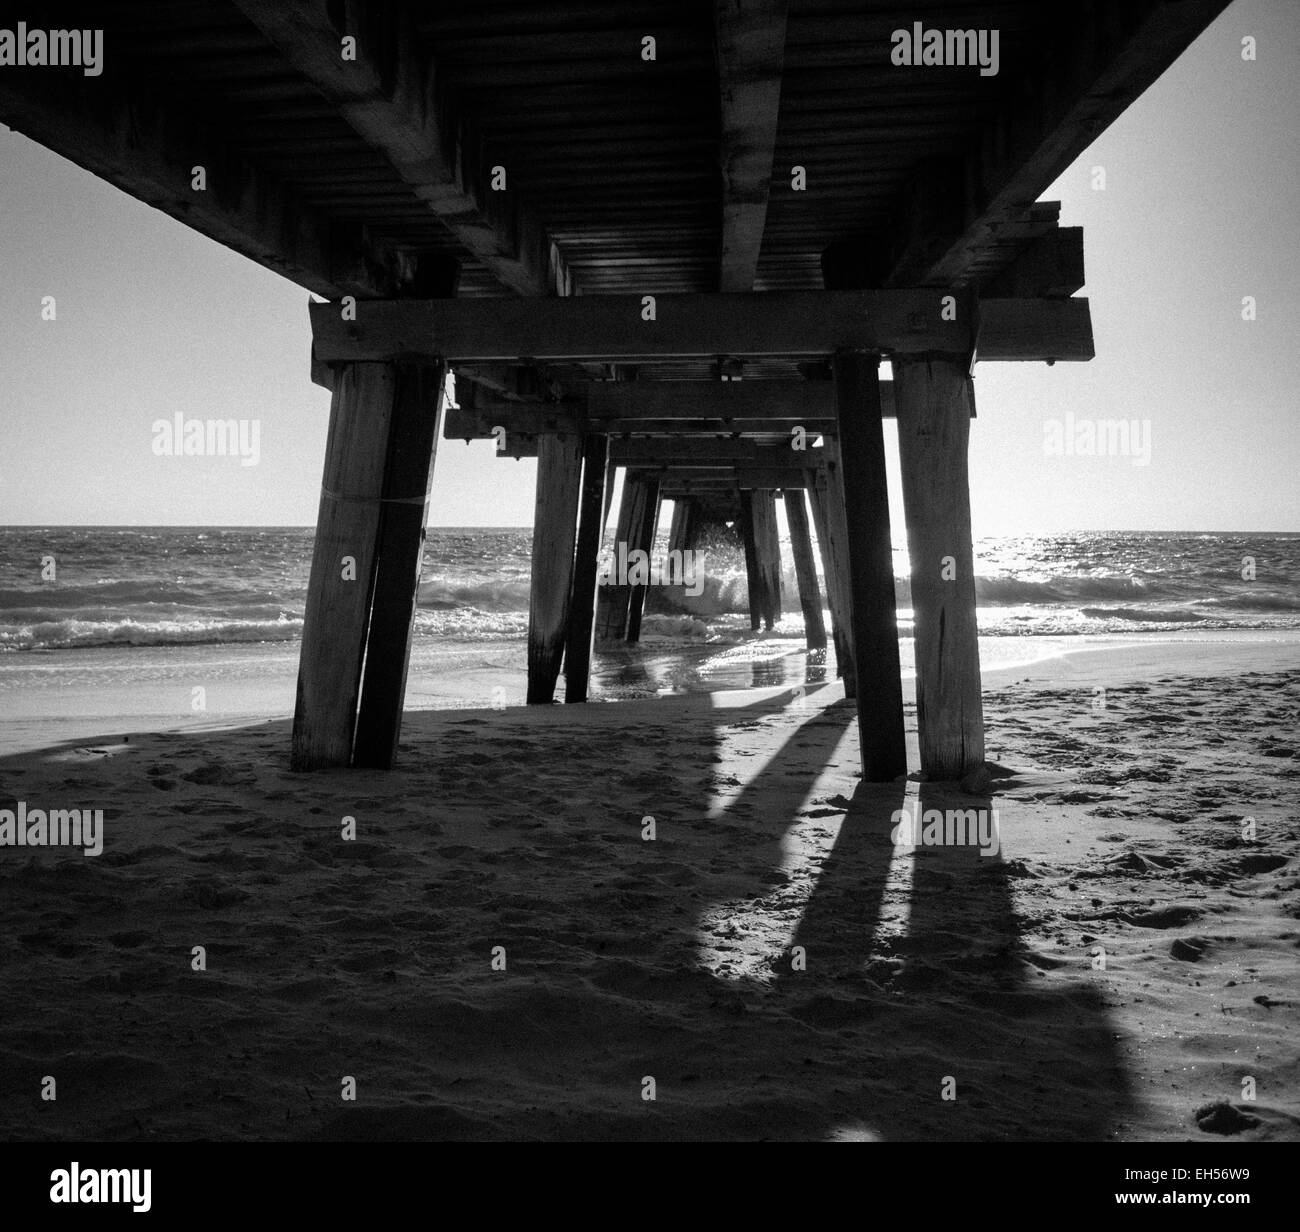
point(675, 238)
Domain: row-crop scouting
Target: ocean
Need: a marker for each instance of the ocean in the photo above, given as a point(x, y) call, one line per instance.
point(97, 608)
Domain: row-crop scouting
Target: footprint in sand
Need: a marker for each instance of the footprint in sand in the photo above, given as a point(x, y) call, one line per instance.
point(1253, 866)
point(213, 773)
point(1190, 949)
point(1173, 916)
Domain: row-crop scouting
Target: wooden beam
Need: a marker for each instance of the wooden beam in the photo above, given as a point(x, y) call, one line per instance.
point(393, 96)
point(643, 539)
point(591, 530)
point(787, 401)
point(480, 424)
point(1105, 56)
point(659, 408)
point(611, 472)
point(612, 601)
point(767, 545)
point(1051, 265)
point(412, 446)
point(555, 524)
point(337, 611)
point(740, 478)
point(528, 422)
point(753, 577)
point(685, 526)
point(612, 327)
point(148, 146)
point(710, 453)
point(832, 540)
point(871, 570)
point(774, 433)
point(792, 323)
point(933, 430)
point(810, 599)
point(1044, 329)
point(750, 42)
point(704, 490)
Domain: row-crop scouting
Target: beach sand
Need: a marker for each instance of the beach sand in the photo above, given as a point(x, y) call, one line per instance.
point(771, 959)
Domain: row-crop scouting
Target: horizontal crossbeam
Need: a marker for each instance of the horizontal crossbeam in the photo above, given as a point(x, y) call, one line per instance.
point(470, 424)
point(778, 400)
point(629, 327)
point(673, 486)
point(784, 473)
point(687, 456)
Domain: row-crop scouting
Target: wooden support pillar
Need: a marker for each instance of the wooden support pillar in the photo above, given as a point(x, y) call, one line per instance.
point(612, 598)
point(767, 546)
point(871, 566)
point(833, 536)
point(559, 477)
point(412, 448)
point(752, 581)
point(817, 503)
point(934, 398)
point(644, 538)
point(611, 470)
point(591, 530)
point(337, 614)
point(694, 529)
point(810, 598)
point(681, 535)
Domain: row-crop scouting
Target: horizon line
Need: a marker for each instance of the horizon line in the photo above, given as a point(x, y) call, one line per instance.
point(1073, 530)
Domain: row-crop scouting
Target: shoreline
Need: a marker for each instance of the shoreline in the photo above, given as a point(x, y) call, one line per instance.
point(117, 691)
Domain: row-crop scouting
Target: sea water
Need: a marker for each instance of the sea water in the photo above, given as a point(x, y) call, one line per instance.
point(107, 619)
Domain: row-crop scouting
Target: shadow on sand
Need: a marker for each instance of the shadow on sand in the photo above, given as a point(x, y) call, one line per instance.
point(629, 960)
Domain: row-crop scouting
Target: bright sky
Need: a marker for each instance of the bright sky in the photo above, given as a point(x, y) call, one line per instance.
point(1201, 207)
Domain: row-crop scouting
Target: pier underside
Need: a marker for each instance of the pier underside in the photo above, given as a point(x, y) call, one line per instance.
point(679, 239)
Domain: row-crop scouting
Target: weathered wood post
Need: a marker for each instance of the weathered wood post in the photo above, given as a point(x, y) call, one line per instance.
point(934, 399)
point(559, 476)
point(643, 532)
point(871, 566)
point(611, 470)
point(767, 547)
point(612, 598)
point(337, 615)
point(753, 582)
point(681, 534)
point(412, 448)
point(810, 599)
point(832, 536)
point(591, 528)
point(417, 393)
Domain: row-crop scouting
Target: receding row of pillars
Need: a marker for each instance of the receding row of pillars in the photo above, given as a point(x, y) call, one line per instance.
point(370, 534)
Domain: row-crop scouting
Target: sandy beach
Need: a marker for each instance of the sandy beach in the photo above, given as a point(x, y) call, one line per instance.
point(778, 965)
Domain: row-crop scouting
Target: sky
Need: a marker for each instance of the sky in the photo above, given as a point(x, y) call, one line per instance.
point(1200, 208)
